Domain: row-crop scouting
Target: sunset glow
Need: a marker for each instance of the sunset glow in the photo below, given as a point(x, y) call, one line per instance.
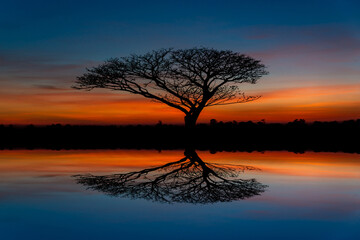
point(313, 61)
point(336, 102)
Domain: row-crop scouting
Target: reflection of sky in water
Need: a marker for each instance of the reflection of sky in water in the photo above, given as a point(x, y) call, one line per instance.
point(310, 196)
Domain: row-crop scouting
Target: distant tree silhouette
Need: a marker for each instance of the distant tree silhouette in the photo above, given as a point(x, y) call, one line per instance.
point(187, 79)
point(296, 136)
point(189, 180)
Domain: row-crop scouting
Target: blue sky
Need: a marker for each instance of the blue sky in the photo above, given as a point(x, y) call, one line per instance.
point(93, 30)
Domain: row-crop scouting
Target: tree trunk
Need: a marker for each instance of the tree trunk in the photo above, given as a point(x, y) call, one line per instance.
point(191, 118)
point(190, 121)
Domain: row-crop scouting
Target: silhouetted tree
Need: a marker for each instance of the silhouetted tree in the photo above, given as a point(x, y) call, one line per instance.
point(188, 80)
point(188, 180)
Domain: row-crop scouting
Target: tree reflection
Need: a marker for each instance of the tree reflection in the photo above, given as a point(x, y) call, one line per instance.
point(189, 180)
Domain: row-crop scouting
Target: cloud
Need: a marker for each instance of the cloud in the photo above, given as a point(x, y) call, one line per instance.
point(316, 43)
point(48, 87)
point(24, 69)
point(302, 93)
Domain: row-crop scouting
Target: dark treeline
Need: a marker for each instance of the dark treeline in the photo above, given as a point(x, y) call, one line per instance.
point(297, 136)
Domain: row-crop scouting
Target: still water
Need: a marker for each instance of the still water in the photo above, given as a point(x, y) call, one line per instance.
point(145, 194)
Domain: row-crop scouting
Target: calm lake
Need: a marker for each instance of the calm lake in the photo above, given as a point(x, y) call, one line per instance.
point(146, 194)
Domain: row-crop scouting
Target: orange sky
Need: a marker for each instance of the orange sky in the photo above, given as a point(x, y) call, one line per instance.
point(65, 105)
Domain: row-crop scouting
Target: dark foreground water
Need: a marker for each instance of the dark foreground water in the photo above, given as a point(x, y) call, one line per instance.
point(175, 195)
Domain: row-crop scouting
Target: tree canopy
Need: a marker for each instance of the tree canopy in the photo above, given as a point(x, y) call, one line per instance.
point(186, 79)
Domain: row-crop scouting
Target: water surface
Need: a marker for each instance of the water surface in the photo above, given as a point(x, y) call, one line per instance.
point(273, 195)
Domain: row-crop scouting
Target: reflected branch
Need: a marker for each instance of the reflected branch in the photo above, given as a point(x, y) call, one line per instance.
point(189, 180)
